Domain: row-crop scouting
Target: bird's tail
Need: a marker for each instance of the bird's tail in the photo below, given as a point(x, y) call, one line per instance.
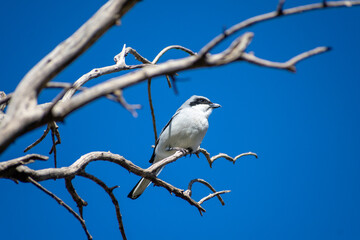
point(141, 186)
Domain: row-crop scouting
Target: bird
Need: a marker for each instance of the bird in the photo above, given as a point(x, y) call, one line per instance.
point(185, 130)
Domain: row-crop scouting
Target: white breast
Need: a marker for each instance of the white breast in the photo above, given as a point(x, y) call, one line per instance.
point(186, 130)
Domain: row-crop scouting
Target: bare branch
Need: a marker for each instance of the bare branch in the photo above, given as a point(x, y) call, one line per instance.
point(4, 166)
point(61, 202)
point(280, 6)
point(206, 184)
point(118, 96)
point(46, 131)
point(75, 196)
point(233, 53)
point(75, 168)
point(137, 55)
point(26, 93)
point(38, 116)
point(3, 100)
point(178, 192)
point(109, 191)
point(95, 73)
point(162, 52)
point(215, 194)
point(156, 59)
point(22, 172)
point(168, 80)
point(54, 133)
point(288, 65)
point(178, 154)
point(152, 109)
point(24, 99)
point(271, 15)
point(61, 85)
point(120, 58)
point(223, 155)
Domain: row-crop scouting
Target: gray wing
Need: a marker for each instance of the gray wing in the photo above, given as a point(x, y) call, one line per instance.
point(157, 141)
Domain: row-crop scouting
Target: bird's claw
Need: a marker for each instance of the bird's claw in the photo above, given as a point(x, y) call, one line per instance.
point(182, 150)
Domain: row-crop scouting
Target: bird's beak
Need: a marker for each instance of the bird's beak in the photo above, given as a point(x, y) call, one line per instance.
point(215, 105)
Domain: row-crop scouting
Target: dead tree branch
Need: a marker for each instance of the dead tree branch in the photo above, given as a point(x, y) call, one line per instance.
point(3, 100)
point(115, 202)
point(23, 112)
point(288, 65)
point(211, 195)
point(152, 109)
point(46, 131)
point(271, 15)
point(202, 181)
point(223, 155)
point(61, 202)
point(75, 196)
point(22, 173)
point(17, 123)
point(54, 133)
point(5, 166)
point(63, 109)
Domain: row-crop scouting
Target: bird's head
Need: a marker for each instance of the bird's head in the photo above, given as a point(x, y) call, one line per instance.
point(200, 103)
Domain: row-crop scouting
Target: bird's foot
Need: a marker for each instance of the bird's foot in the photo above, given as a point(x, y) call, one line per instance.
point(182, 150)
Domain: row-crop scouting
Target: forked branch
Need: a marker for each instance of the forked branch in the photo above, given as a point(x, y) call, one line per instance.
point(62, 203)
point(211, 195)
point(224, 155)
point(288, 65)
point(23, 173)
point(115, 202)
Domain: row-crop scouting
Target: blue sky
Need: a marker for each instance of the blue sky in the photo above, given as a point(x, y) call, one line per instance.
point(304, 126)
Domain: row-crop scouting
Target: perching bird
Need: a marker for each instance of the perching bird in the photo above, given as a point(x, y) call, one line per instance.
point(185, 130)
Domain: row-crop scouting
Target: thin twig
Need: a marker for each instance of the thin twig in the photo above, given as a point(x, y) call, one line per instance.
point(137, 55)
point(119, 96)
point(288, 65)
point(75, 196)
point(173, 83)
point(60, 85)
point(109, 191)
point(162, 52)
point(168, 80)
point(95, 73)
point(280, 7)
point(61, 202)
point(223, 155)
point(206, 184)
point(152, 109)
point(46, 131)
point(156, 59)
point(54, 133)
point(4, 166)
point(213, 195)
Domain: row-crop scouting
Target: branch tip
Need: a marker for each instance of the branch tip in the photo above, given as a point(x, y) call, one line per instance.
point(280, 6)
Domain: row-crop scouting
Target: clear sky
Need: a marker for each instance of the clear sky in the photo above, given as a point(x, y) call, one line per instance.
point(304, 126)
